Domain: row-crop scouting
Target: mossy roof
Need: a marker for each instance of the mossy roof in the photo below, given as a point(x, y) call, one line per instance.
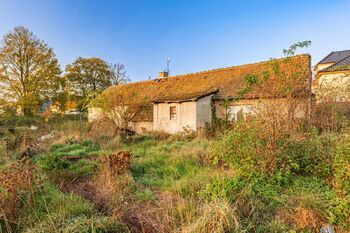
point(225, 83)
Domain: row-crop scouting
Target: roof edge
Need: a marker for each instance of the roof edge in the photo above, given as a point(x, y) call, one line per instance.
point(188, 99)
point(334, 65)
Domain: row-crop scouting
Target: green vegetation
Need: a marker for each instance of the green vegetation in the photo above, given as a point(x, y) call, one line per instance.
point(58, 173)
point(242, 180)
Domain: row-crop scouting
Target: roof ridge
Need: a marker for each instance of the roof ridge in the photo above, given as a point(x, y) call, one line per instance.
point(237, 66)
point(335, 64)
point(212, 70)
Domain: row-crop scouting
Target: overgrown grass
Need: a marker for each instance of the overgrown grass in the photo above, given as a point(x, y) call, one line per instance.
point(55, 211)
point(170, 165)
point(183, 184)
point(74, 159)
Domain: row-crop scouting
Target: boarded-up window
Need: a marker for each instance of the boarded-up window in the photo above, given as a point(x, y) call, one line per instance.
point(172, 112)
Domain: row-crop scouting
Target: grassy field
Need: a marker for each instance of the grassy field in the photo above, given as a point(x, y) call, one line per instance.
point(178, 183)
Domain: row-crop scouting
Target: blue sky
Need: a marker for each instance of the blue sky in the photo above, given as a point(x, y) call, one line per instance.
point(196, 35)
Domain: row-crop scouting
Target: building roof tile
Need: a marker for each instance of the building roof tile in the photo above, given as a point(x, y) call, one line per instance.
point(335, 56)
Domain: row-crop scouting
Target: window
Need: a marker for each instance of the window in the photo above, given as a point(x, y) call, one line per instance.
point(237, 113)
point(172, 112)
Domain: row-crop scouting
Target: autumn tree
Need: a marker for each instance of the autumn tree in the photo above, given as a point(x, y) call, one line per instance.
point(87, 77)
point(29, 70)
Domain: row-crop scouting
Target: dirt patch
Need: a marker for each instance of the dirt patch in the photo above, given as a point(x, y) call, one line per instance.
point(111, 192)
point(156, 216)
point(88, 191)
point(112, 166)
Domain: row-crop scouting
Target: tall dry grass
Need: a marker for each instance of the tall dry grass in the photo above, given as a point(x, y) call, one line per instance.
point(18, 183)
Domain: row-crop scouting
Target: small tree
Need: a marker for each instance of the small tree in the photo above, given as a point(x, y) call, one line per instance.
point(119, 75)
point(117, 111)
point(289, 91)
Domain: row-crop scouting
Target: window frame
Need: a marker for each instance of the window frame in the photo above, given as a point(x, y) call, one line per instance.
point(172, 115)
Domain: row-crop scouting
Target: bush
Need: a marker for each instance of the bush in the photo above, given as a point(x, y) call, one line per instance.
point(314, 196)
point(250, 152)
point(329, 117)
point(308, 154)
point(245, 148)
point(341, 165)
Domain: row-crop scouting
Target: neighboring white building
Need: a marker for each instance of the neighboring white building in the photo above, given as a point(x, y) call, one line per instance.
point(193, 100)
point(332, 77)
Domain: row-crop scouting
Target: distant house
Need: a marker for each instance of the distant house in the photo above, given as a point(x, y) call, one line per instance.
point(193, 100)
point(332, 77)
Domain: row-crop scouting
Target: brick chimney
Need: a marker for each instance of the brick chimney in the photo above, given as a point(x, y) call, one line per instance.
point(163, 74)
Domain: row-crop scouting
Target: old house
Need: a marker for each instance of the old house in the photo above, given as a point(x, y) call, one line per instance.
point(172, 103)
point(332, 77)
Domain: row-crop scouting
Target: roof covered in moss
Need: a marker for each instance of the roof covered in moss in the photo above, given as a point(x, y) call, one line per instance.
point(225, 83)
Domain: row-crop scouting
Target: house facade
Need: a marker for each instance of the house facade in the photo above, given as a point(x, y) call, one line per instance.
point(332, 77)
point(192, 101)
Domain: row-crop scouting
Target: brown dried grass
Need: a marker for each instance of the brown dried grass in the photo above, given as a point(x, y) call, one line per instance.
point(302, 218)
point(18, 183)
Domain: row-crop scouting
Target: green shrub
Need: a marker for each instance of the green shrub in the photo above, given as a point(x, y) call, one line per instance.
point(244, 148)
point(307, 154)
point(15, 121)
point(250, 152)
point(341, 165)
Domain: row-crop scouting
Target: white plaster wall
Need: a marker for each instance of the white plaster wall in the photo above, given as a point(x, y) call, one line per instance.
point(254, 106)
point(335, 86)
point(142, 127)
point(185, 117)
point(203, 111)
